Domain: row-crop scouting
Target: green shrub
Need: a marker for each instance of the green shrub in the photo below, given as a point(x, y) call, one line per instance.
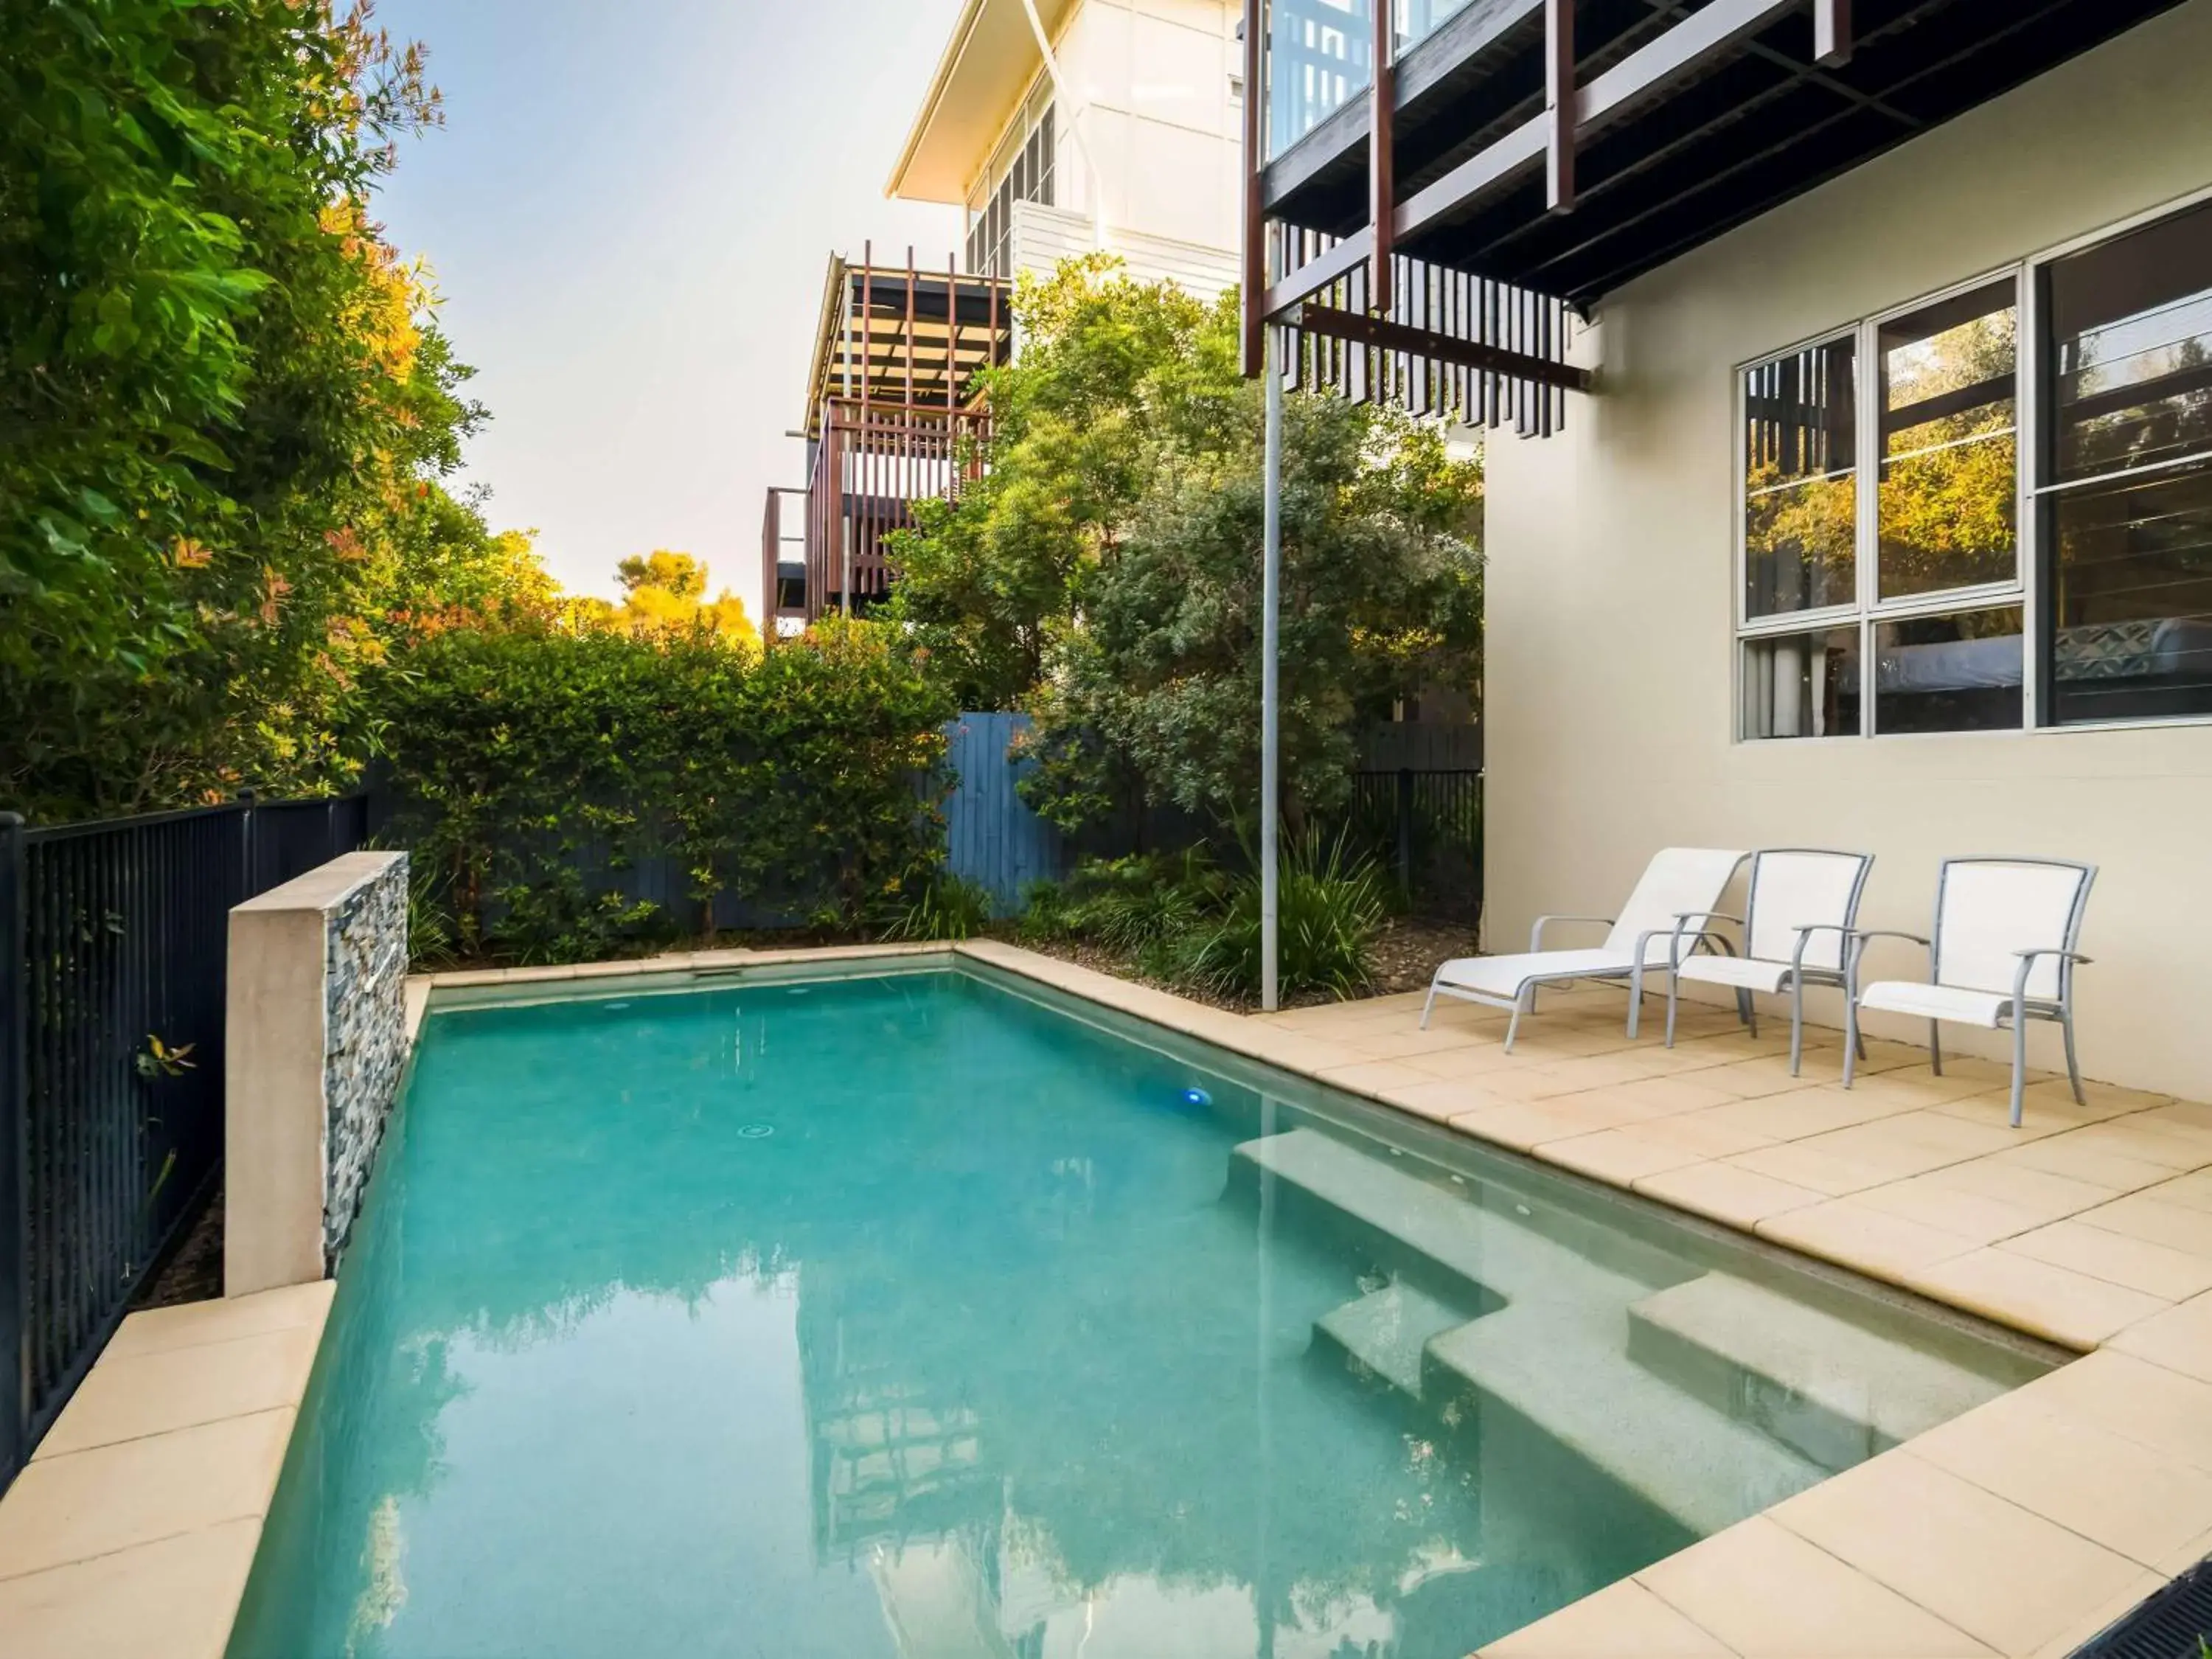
point(532, 770)
point(1328, 906)
point(947, 907)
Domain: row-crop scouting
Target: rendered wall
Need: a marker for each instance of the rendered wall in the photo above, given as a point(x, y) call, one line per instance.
point(1609, 690)
point(317, 1042)
point(1150, 85)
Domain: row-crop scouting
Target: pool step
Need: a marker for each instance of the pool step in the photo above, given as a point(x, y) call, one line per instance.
point(1798, 1372)
point(1462, 1250)
point(1555, 1353)
point(1387, 1331)
point(1563, 1368)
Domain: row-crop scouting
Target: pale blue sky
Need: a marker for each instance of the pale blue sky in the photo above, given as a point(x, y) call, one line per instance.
point(628, 213)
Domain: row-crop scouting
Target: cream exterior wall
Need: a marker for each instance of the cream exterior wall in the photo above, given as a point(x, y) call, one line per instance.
point(1609, 685)
point(1148, 82)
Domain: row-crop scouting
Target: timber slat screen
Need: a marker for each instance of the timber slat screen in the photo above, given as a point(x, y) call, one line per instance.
point(894, 415)
point(114, 937)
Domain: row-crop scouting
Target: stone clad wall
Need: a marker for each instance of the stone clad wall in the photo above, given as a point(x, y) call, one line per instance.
point(316, 1034)
point(365, 1039)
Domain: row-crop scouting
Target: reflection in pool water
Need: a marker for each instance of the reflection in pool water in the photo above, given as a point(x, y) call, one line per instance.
point(1012, 1338)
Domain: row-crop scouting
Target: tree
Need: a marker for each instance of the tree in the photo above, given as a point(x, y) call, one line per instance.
point(228, 412)
point(664, 597)
point(1104, 572)
point(1115, 375)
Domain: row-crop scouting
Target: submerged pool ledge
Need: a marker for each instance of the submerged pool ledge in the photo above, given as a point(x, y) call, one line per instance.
point(2019, 1529)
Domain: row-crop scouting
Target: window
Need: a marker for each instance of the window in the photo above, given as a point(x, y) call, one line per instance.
point(1886, 598)
point(2124, 478)
point(1022, 170)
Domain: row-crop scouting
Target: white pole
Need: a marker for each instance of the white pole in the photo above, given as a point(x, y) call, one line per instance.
point(1270, 689)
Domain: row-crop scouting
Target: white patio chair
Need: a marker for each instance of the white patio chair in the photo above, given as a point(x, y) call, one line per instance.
point(1796, 922)
point(2002, 954)
point(1681, 882)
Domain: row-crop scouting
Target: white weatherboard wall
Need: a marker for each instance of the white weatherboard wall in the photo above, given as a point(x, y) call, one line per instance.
point(1611, 588)
point(1043, 236)
point(315, 1041)
point(1149, 83)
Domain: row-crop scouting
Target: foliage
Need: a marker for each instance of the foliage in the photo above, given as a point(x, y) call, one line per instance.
point(225, 411)
point(1128, 904)
point(1112, 373)
point(948, 907)
point(535, 768)
point(1329, 903)
point(1181, 918)
point(665, 595)
point(1105, 572)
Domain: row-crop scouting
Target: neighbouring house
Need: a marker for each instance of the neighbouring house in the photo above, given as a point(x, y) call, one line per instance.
point(1084, 125)
point(893, 415)
point(1123, 135)
point(1863, 353)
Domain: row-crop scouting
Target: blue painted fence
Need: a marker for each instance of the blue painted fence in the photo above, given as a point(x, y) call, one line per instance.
point(993, 838)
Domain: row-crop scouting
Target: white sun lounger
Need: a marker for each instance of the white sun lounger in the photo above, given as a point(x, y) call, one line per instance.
point(1664, 918)
point(2002, 954)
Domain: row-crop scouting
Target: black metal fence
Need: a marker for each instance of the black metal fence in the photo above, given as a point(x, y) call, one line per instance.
point(1425, 828)
point(114, 948)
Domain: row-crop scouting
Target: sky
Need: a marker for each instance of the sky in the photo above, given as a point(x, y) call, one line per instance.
point(628, 213)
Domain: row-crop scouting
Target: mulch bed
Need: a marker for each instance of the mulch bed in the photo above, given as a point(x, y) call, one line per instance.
point(1405, 957)
point(193, 1272)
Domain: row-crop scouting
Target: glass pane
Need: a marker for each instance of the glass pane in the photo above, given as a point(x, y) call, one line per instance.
point(1800, 510)
point(1417, 19)
point(2131, 350)
point(1802, 685)
point(1950, 481)
point(1320, 53)
point(1960, 672)
point(2131, 584)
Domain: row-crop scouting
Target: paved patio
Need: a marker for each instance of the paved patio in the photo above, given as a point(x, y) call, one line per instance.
point(2021, 1528)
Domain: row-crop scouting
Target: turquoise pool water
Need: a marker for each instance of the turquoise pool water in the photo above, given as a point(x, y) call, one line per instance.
point(907, 1317)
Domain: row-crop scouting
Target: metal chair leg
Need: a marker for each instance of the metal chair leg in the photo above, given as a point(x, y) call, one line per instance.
point(1936, 1046)
point(1850, 1038)
point(2018, 1067)
point(1796, 1024)
point(1428, 1006)
point(1513, 1025)
point(1635, 998)
point(2073, 1068)
point(1674, 998)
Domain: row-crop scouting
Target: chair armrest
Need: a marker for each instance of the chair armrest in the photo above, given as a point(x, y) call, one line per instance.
point(1536, 933)
point(1676, 935)
point(1805, 937)
point(1700, 935)
point(2027, 959)
point(1859, 937)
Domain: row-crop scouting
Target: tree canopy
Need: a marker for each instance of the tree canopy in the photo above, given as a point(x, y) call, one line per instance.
point(1104, 572)
point(228, 414)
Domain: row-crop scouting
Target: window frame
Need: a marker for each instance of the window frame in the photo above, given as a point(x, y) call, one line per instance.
point(1868, 612)
point(2032, 494)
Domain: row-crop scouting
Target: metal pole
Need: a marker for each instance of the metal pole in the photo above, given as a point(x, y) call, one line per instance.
point(1270, 688)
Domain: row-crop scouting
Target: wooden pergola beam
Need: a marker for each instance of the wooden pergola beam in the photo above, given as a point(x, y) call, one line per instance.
point(1359, 329)
point(1832, 32)
point(1559, 112)
point(1382, 171)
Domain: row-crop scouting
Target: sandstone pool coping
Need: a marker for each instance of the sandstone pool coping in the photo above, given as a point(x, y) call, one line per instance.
point(2018, 1529)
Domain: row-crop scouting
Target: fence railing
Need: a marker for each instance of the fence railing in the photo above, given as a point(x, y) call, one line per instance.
point(1425, 828)
point(113, 976)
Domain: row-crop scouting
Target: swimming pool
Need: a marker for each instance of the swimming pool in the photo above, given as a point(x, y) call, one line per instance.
point(925, 1313)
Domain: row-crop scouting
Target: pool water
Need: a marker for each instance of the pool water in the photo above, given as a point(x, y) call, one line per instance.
point(910, 1317)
